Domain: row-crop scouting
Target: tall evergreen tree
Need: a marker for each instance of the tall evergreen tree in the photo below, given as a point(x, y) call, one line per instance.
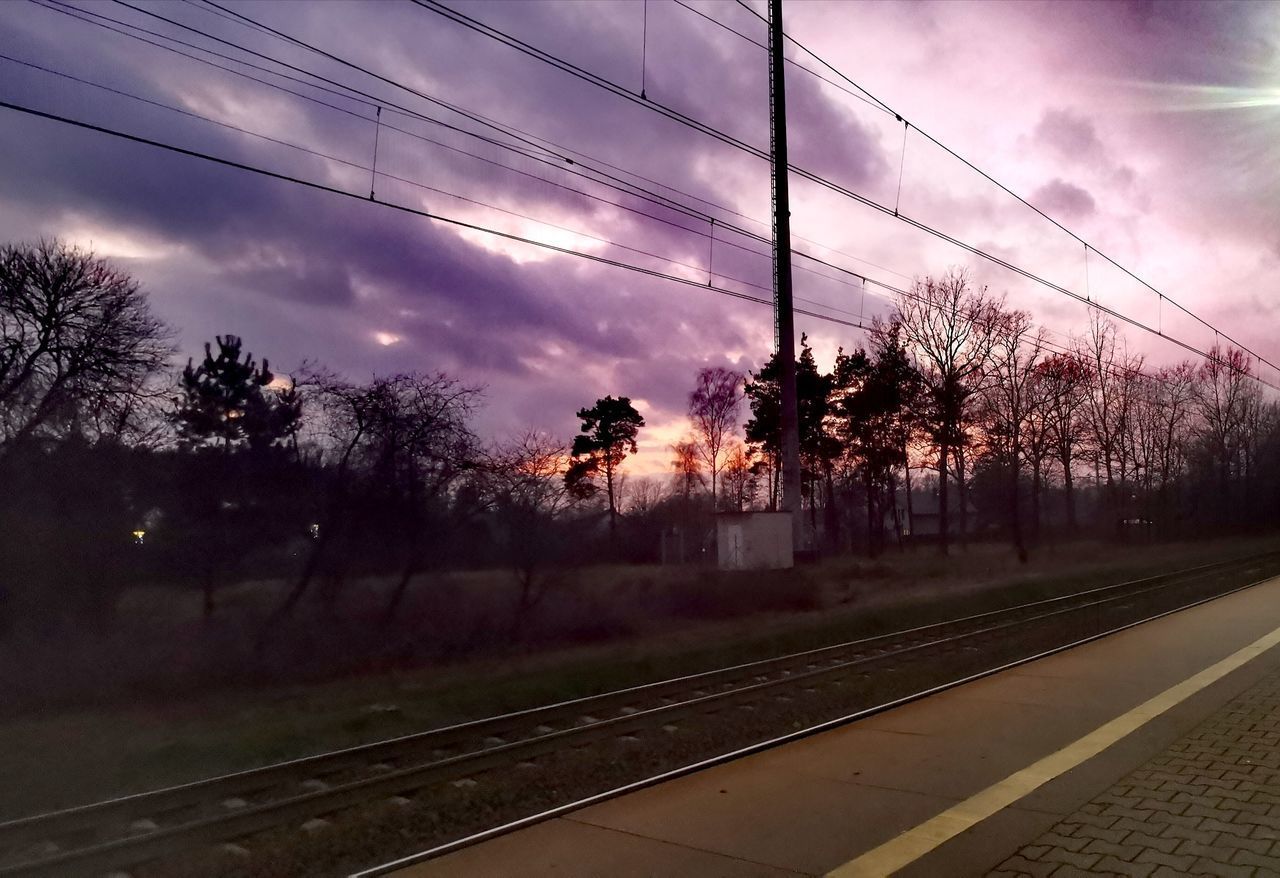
point(227, 405)
point(227, 401)
point(873, 419)
point(608, 435)
point(764, 429)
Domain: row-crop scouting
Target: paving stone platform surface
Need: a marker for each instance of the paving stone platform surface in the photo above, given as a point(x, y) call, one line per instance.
point(1209, 805)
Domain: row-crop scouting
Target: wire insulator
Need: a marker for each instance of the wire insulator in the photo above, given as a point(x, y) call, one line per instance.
point(373, 171)
point(644, 49)
point(902, 164)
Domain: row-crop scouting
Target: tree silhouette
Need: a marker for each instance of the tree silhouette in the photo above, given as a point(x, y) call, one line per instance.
point(713, 408)
point(950, 328)
point(227, 404)
point(872, 415)
point(523, 480)
point(1227, 400)
point(1009, 400)
point(687, 466)
point(608, 435)
point(739, 476)
point(1104, 354)
point(1064, 382)
point(78, 343)
point(764, 429)
point(226, 401)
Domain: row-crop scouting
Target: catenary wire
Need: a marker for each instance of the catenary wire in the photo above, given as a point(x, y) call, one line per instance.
point(611, 182)
point(711, 131)
point(907, 294)
point(321, 187)
point(1008, 191)
point(923, 227)
point(606, 84)
point(791, 61)
point(405, 180)
point(693, 214)
point(621, 91)
point(1115, 370)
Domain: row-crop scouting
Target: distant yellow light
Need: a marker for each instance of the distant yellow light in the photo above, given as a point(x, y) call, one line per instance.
point(138, 536)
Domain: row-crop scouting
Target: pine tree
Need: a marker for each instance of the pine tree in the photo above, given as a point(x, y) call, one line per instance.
point(608, 435)
point(227, 401)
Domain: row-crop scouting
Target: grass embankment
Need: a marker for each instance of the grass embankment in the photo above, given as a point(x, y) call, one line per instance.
point(61, 757)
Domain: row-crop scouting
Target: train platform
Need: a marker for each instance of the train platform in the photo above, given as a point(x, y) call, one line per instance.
point(1150, 752)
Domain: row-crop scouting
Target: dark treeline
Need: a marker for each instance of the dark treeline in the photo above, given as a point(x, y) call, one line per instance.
point(1007, 435)
point(275, 500)
point(118, 473)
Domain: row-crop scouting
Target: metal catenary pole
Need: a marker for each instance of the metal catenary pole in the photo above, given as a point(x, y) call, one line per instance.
point(784, 319)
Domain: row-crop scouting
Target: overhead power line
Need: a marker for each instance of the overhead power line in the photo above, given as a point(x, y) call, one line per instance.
point(622, 91)
point(402, 208)
point(372, 101)
point(560, 148)
point(578, 168)
point(1089, 248)
point(507, 130)
point(544, 155)
point(415, 183)
point(859, 324)
point(906, 294)
point(473, 156)
point(791, 61)
point(553, 60)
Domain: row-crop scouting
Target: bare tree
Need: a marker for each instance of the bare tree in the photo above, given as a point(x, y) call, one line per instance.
point(346, 417)
point(950, 329)
point(1009, 400)
point(687, 466)
point(1038, 435)
point(1227, 399)
point(527, 490)
point(1107, 400)
point(1133, 393)
point(406, 439)
point(713, 408)
point(422, 445)
point(1063, 382)
point(740, 479)
point(1261, 431)
point(645, 495)
point(1145, 436)
point(78, 342)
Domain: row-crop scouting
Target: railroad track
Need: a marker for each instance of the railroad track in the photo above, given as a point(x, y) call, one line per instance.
point(97, 838)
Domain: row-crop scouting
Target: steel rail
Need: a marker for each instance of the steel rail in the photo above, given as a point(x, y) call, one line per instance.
point(254, 779)
point(571, 707)
point(158, 842)
point(761, 746)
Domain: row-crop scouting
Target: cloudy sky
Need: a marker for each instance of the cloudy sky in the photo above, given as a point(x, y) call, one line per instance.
point(1148, 129)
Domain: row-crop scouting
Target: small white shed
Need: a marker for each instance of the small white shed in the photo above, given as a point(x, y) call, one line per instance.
point(754, 540)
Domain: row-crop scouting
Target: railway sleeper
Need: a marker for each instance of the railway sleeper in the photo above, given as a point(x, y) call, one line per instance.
point(117, 853)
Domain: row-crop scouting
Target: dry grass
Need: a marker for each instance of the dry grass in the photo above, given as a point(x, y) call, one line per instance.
point(644, 623)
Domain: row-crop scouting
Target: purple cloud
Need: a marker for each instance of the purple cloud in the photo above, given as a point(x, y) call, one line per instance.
point(1070, 136)
point(1058, 198)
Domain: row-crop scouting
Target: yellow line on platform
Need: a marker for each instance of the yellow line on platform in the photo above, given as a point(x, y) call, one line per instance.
point(915, 843)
